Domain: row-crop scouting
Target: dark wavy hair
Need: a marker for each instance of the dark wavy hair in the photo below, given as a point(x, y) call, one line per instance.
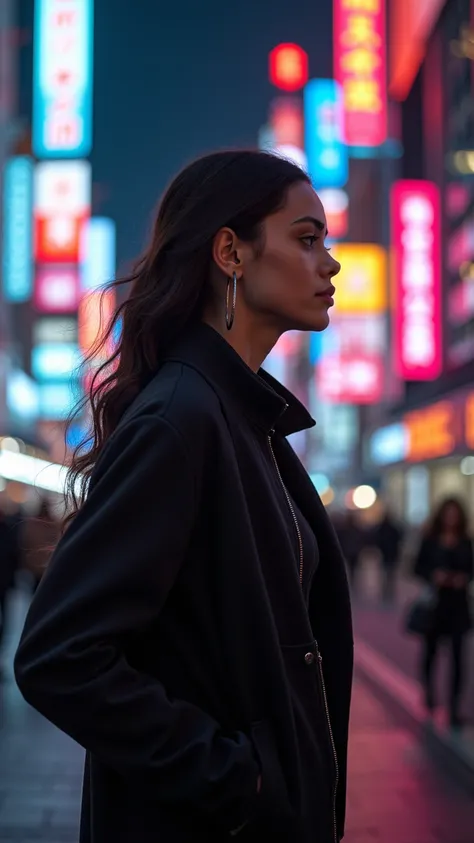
point(435, 527)
point(169, 285)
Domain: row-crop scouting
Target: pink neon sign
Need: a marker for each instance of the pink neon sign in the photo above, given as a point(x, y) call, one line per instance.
point(417, 280)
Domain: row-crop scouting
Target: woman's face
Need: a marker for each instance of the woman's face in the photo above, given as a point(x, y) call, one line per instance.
point(451, 517)
point(290, 281)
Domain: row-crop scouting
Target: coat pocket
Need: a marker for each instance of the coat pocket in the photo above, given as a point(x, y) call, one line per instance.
point(273, 805)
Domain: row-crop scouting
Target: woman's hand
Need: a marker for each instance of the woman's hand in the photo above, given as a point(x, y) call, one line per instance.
point(440, 577)
point(460, 581)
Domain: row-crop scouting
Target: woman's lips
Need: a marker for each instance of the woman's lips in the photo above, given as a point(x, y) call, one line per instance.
point(327, 295)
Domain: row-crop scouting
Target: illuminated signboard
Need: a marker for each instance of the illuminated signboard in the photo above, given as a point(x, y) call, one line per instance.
point(286, 121)
point(288, 67)
point(360, 68)
point(56, 289)
point(62, 86)
point(22, 396)
point(62, 200)
point(432, 431)
point(54, 361)
point(429, 433)
point(469, 421)
point(351, 379)
point(362, 282)
point(416, 242)
point(55, 329)
point(57, 400)
point(336, 206)
point(326, 150)
point(17, 229)
point(97, 253)
point(389, 444)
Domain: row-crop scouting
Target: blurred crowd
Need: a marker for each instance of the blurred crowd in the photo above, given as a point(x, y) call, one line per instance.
point(439, 557)
point(26, 544)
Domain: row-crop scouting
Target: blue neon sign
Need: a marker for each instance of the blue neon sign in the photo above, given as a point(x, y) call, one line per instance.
point(17, 229)
point(326, 151)
point(98, 253)
point(62, 78)
point(55, 361)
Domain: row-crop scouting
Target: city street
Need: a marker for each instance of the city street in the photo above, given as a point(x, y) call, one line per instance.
point(397, 793)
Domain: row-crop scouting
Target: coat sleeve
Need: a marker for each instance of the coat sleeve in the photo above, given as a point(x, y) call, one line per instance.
point(109, 577)
point(423, 567)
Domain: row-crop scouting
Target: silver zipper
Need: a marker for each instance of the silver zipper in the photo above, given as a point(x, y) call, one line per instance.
point(320, 658)
point(331, 736)
point(292, 510)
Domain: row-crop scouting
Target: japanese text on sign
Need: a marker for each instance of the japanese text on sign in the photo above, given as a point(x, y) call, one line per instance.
point(360, 68)
point(415, 219)
point(62, 113)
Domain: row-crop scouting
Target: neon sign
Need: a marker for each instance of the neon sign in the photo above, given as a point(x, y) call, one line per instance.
point(62, 78)
point(417, 279)
point(326, 150)
point(360, 68)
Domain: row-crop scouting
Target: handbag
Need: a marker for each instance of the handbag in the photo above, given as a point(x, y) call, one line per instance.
point(420, 615)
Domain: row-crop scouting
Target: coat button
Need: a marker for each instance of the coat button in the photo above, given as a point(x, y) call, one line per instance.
point(309, 658)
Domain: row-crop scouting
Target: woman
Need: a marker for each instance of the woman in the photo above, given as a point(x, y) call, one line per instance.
point(179, 630)
point(445, 561)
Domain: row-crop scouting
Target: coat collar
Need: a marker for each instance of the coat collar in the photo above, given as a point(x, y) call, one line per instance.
point(260, 397)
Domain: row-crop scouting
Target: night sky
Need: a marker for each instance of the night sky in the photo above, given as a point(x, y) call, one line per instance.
point(177, 79)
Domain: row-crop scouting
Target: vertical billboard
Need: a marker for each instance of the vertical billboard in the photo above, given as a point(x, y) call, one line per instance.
point(416, 244)
point(62, 78)
point(17, 229)
point(97, 253)
point(324, 133)
point(351, 366)
point(360, 68)
point(62, 200)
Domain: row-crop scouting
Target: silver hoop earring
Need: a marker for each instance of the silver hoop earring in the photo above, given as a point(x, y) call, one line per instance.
point(230, 310)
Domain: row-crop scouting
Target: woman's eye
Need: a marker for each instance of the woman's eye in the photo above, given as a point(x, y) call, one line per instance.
point(310, 240)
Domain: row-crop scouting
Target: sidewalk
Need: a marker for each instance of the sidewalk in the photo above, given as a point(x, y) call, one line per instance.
point(397, 794)
point(389, 659)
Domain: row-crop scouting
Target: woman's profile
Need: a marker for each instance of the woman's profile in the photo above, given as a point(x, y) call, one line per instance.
point(193, 629)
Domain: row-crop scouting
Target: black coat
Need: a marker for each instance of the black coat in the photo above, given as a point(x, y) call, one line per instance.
point(452, 611)
point(170, 635)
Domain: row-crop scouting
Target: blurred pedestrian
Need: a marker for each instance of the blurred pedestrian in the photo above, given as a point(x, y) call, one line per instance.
point(387, 538)
point(39, 538)
point(445, 561)
point(352, 537)
point(193, 628)
point(9, 559)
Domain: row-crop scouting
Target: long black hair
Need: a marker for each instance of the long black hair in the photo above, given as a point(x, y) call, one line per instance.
point(437, 523)
point(170, 282)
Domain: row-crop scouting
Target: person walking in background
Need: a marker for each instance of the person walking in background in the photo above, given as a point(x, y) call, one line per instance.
point(39, 537)
point(9, 562)
point(352, 537)
point(445, 561)
point(193, 629)
point(387, 538)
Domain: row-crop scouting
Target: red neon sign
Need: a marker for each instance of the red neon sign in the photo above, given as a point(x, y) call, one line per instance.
point(417, 280)
point(360, 68)
point(288, 67)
